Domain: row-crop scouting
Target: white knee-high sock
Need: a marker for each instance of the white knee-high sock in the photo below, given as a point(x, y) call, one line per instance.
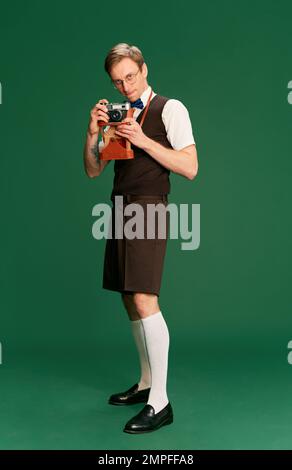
point(138, 333)
point(157, 344)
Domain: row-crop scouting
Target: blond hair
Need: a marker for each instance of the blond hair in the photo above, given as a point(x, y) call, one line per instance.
point(119, 52)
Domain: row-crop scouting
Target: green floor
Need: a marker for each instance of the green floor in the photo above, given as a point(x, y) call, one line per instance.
point(220, 400)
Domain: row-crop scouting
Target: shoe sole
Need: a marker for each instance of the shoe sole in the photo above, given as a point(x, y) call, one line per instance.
point(116, 403)
point(163, 423)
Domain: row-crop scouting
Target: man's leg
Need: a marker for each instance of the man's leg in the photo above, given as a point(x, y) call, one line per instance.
point(139, 337)
point(157, 346)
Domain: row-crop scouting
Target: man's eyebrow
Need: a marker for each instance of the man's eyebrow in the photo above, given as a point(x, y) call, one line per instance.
point(130, 73)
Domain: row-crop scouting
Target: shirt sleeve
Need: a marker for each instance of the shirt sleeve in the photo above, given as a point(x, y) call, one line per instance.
point(176, 119)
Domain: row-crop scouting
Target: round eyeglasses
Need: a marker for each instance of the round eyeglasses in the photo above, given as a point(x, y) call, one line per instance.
point(130, 78)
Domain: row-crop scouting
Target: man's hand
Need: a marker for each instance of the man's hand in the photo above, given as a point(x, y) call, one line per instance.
point(98, 113)
point(132, 130)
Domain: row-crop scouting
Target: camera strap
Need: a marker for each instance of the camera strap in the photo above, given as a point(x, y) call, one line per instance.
point(146, 109)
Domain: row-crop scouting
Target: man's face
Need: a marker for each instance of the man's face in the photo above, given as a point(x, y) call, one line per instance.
point(126, 68)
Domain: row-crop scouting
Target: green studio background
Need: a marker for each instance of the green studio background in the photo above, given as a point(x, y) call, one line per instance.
point(66, 342)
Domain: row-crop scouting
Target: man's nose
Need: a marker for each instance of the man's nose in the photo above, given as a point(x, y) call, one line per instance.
point(126, 87)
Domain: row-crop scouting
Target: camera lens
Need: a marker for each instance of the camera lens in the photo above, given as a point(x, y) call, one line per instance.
point(115, 115)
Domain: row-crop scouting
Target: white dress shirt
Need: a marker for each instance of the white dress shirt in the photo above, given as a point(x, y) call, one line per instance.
point(176, 120)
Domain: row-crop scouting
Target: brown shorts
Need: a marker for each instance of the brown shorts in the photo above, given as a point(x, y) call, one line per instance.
point(136, 265)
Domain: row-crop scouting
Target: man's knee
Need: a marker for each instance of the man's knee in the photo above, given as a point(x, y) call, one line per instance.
point(129, 306)
point(144, 303)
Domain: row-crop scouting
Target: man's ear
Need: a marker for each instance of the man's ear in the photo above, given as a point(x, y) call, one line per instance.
point(144, 70)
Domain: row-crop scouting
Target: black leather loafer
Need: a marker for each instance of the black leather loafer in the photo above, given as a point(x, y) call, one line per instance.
point(147, 420)
point(130, 397)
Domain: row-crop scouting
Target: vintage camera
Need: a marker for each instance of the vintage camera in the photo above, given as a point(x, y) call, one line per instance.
point(117, 111)
point(116, 147)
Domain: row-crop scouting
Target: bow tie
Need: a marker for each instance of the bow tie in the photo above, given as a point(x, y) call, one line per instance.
point(137, 104)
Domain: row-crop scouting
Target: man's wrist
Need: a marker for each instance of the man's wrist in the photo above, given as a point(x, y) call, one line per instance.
point(92, 134)
point(148, 144)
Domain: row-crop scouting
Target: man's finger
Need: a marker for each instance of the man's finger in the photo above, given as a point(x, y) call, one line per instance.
point(128, 121)
point(124, 131)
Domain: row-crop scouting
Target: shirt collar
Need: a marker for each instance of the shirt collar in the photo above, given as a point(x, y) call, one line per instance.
point(145, 95)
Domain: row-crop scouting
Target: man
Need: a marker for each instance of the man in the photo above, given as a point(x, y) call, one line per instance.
point(134, 268)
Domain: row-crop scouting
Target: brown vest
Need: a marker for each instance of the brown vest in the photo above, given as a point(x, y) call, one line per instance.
point(143, 174)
